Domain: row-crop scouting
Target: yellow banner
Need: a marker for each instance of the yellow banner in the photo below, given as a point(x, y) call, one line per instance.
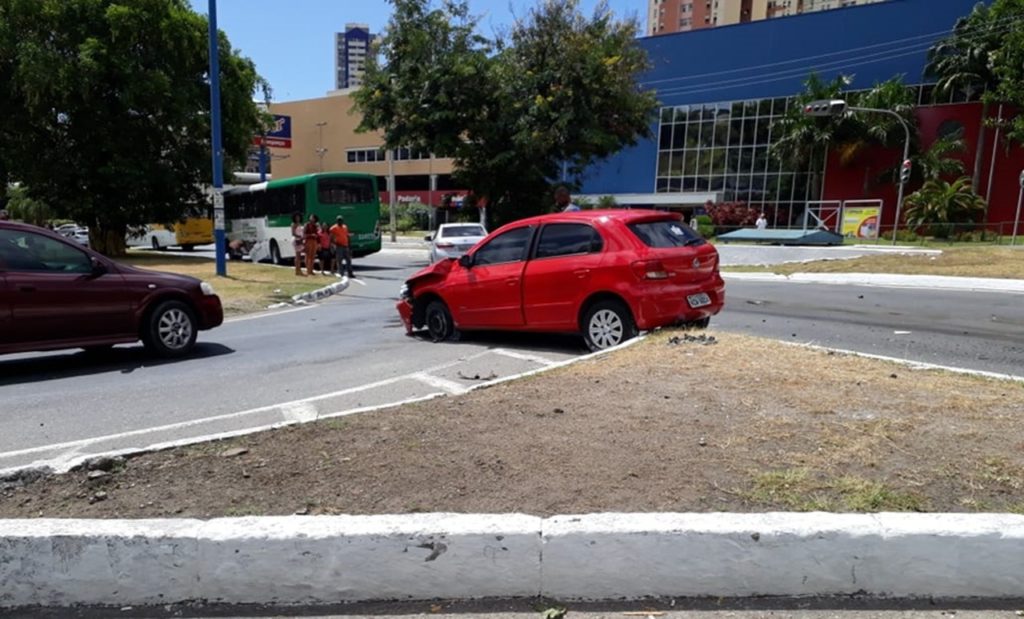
point(861, 222)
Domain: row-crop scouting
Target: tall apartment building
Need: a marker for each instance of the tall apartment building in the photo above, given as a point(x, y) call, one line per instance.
point(351, 50)
point(667, 16)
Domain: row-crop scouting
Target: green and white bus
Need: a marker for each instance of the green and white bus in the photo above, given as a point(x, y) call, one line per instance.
point(259, 216)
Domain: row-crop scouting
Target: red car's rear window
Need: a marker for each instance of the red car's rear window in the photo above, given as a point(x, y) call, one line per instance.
point(665, 233)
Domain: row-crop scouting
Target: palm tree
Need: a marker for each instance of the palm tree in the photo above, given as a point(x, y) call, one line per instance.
point(936, 162)
point(940, 202)
point(964, 62)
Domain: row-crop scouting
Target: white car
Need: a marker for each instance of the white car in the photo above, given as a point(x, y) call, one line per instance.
point(453, 240)
point(78, 235)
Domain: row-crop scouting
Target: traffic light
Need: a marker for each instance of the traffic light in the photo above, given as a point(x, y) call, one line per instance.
point(905, 172)
point(825, 107)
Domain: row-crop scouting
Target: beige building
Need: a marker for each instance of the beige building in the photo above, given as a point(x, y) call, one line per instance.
point(324, 139)
point(668, 16)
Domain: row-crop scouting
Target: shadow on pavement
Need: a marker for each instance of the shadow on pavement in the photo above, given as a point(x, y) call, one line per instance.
point(81, 363)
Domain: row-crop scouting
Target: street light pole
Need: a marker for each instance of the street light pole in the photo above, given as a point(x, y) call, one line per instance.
point(218, 158)
point(906, 155)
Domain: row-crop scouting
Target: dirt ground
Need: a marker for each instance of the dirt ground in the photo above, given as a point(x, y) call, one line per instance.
point(686, 424)
point(972, 261)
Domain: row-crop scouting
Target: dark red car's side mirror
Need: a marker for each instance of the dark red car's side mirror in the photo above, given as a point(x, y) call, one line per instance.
point(466, 260)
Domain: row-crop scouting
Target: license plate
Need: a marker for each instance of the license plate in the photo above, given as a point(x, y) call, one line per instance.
point(698, 300)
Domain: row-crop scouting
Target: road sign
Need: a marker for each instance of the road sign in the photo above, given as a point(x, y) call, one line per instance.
point(280, 136)
point(218, 211)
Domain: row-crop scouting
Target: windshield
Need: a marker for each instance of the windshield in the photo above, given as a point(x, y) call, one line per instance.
point(462, 231)
point(665, 234)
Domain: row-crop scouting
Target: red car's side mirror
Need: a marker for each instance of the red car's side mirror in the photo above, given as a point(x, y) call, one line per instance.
point(466, 260)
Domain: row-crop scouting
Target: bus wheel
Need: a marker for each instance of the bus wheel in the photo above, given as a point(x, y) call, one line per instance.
point(275, 253)
point(155, 243)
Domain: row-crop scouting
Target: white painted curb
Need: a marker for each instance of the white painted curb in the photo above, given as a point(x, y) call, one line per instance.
point(887, 280)
point(322, 293)
point(330, 559)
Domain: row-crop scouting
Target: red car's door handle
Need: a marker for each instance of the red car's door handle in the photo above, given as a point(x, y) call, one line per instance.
point(581, 273)
point(26, 288)
point(512, 281)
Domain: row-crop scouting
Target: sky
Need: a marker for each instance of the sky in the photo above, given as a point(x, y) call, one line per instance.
point(292, 41)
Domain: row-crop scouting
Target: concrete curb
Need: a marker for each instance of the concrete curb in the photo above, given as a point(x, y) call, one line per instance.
point(887, 280)
point(322, 293)
point(331, 559)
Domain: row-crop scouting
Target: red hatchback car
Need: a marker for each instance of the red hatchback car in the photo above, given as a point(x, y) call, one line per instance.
point(55, 294)
point(605, 274)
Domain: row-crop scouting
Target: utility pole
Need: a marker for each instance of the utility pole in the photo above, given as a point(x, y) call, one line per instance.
point(1016, 218)
point(391, 193)
point(218, 155)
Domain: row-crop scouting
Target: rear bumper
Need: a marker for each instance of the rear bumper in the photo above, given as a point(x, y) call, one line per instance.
point(667, 305)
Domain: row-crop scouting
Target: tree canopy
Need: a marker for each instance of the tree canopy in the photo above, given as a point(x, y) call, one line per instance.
point(106, 109)
point(517, 112)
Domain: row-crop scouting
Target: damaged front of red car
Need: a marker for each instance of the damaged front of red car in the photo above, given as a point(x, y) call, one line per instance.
point(425, 282)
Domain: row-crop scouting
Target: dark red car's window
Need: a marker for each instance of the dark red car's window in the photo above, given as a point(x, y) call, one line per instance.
point(568, 239)
point(664, 233)
point(23, 251)
point(508, 246)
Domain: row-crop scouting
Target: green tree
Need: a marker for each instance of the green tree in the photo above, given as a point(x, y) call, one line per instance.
point(106, 109)
point(557, 94)
point(941, 202)
point(606, 202)
point(964, 62)
point(1007, 17)
point(23, 208)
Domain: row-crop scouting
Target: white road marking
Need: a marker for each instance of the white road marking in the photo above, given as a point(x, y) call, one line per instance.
point(441, 383)
point(300, 412)
point(358, 281)
point(252, 411)
point(912, 364)
point(268, 314)
point(522, 356)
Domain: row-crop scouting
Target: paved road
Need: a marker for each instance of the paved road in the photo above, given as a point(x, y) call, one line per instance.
point(974, 330)
point(346, 353)
point(351, 352)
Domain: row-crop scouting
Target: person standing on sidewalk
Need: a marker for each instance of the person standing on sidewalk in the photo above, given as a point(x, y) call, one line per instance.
point(340, 243)
point(324, 249)
point(298, 241)
point(311, 235)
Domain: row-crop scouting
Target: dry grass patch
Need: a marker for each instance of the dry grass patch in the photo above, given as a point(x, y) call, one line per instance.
point(985, 261)
point(745, 424)
point(247, 288)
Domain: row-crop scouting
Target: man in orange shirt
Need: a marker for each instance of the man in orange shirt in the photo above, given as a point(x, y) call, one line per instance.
point(340, 244)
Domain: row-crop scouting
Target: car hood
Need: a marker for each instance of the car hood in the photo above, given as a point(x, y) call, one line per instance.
point(433, 273)
point(159, 277)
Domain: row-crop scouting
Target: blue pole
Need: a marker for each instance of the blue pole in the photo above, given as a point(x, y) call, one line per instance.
point(263, 161)
point(218, 161)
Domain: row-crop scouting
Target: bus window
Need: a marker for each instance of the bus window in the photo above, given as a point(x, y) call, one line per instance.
point(345, 190)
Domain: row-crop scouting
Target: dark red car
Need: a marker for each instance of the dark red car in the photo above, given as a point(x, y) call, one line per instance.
point(605, 274)
point(55, 294)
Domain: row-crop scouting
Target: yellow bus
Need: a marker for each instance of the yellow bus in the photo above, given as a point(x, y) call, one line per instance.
point(185, 234)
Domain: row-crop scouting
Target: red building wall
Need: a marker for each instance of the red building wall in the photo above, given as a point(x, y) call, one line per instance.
point(858, 178)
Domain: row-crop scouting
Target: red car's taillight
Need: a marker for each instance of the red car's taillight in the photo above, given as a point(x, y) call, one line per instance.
point(650, 269)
